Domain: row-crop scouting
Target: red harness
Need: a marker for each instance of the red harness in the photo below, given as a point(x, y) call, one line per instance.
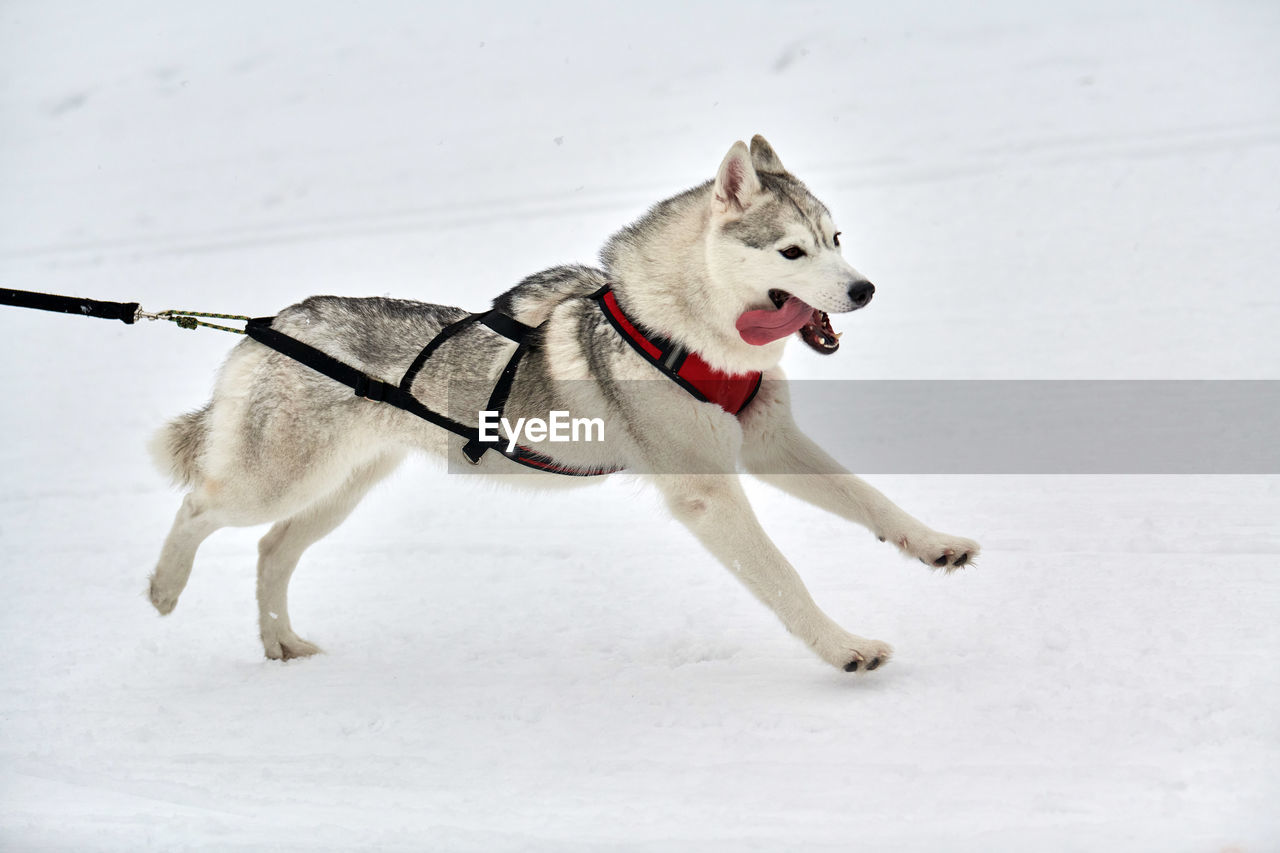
point(730, 391)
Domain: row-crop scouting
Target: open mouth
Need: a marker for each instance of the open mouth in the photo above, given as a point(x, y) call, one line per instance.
point(817, 332)
point(791, 315)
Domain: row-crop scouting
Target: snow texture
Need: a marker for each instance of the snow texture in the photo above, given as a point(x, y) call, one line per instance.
point(1039, 191)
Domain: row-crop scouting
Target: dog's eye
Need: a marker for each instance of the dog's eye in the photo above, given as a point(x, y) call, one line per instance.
point(835, 238)
point(791, 252)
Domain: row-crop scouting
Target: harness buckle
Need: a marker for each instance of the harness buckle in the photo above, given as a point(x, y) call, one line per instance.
point(373, 389)
point(473, 451)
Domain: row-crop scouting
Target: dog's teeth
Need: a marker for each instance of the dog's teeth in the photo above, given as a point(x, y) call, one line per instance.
point(838, 335)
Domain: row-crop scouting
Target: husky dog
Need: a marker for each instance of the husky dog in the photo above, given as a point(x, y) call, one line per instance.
point(729, 270)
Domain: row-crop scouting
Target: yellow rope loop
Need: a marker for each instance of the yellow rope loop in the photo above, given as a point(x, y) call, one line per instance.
point(187, 320)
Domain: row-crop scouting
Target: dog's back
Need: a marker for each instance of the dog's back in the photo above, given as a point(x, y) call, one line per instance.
point(532, 300)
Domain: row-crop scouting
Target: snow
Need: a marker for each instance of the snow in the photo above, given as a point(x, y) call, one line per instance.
point(1085, 191)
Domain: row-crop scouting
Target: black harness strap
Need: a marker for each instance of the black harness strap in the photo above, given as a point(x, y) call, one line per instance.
point(399, 395)
point(500, 323)
point(260, 330)
point(475, 448)
point(432, 345)
point(508, 327)
point(363, 384)
point(125, 312)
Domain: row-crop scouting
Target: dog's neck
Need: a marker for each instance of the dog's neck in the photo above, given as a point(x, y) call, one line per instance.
point(659, 271)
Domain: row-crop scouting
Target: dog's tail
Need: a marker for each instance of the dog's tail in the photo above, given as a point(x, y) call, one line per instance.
point(177, 446)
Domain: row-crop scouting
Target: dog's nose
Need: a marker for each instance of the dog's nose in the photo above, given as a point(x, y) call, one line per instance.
point(860, 293)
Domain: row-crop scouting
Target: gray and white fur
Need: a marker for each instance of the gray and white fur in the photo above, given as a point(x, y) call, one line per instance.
point(281, 444)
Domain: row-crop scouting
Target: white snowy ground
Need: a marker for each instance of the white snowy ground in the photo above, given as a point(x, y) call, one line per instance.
point(1087, 191)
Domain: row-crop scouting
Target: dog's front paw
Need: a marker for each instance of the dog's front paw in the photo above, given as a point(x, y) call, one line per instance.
point(873, 655)
point(853, 653)
point(938, 550)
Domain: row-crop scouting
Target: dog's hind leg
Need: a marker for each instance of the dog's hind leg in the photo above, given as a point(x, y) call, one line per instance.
point(282, 547)
point(191, 526)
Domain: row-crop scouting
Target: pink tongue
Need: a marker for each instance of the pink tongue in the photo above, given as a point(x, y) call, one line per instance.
point(761, 327)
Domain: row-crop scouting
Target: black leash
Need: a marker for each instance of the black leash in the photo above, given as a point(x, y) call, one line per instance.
point(126, 312)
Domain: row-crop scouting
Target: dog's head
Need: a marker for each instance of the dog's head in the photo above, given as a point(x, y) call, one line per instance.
point(777, 248)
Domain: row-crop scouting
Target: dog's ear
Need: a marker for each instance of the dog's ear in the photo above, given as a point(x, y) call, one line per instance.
point(764, 158)
point(736, 182)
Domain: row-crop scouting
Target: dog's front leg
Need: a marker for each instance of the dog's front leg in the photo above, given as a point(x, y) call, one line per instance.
point(715, 508)
point(775, 450)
